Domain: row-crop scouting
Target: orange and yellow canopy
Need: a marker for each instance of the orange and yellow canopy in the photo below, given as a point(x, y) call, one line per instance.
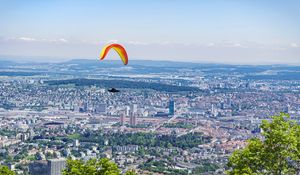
point(118, 48)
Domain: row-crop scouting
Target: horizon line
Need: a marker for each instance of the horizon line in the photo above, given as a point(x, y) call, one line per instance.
point(34, 59)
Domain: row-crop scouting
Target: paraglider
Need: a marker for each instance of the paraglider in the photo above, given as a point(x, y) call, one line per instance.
point(122, 53)
point(113, 90)
point(118, 48)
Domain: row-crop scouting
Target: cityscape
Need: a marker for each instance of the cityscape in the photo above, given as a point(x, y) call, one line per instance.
point(150, 87)
point(166, 118)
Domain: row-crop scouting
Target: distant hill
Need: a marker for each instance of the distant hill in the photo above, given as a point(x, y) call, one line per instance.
point(5, 63)
point(144, 63)
point(84, 67)
point(123, 84)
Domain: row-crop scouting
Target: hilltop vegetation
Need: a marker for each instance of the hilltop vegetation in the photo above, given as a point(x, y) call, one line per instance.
point(277, 153)
point(4, 170)
point(93, 166)
point(147, 139)
point(122, 84)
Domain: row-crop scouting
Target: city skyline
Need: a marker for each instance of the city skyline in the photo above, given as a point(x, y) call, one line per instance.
point(166, 118)
point(231, 32)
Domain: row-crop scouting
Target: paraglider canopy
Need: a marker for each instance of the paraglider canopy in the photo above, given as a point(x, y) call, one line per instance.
point(118, 48)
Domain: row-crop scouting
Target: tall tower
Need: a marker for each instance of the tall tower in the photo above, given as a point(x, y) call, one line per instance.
point(122, 118)
point(127, 111)
point(171, 107)
point(133, 111)
point(133, 120)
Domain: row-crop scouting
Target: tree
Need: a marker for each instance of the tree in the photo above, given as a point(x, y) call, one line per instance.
point(130, 172)
point(278, 152)
point(4, 170)
point(205, 167)
point(93, 166)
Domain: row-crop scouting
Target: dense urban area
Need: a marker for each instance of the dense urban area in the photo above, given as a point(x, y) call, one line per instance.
point(167, 118)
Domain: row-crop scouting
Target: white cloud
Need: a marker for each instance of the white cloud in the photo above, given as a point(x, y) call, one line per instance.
point(210, 44)
point(233, 44)
point(137, 43)
point(164, 43)
point(239, 45)
point(226, 44)
point(61, 40)
point(27, 39)
point(30, 39)
point(112, 41)
point(295, 45)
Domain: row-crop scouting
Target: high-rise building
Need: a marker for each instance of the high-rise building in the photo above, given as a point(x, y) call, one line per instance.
point(133, 108)
point(56, 166)
point(133, 119)
point(171, 107)
point(76, 143)
point(38, 167)
point(127, 111)
point(122, 118)
point(31, 133)
point(133, 113)
point(214, 110)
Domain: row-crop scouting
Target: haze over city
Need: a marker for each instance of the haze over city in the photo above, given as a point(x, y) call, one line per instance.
point(222, 31)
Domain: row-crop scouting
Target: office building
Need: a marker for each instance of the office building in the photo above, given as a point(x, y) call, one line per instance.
point(171, 107)
point(122, 118)
point(56, 166)
point(133, 119)
point(38, 167)
point(133, 113)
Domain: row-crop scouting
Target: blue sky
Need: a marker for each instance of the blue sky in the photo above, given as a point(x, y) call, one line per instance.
point(226, 31)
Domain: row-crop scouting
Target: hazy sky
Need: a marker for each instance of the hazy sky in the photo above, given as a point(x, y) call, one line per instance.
point(227, 31)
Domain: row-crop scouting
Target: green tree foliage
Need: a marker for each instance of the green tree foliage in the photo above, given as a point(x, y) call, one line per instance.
point(205, 167)
point(189, 140)
point(161, 166)
point(277, 153)
point(130, 172)
point(122, 84)
point(4, 170)
point(93, 167)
